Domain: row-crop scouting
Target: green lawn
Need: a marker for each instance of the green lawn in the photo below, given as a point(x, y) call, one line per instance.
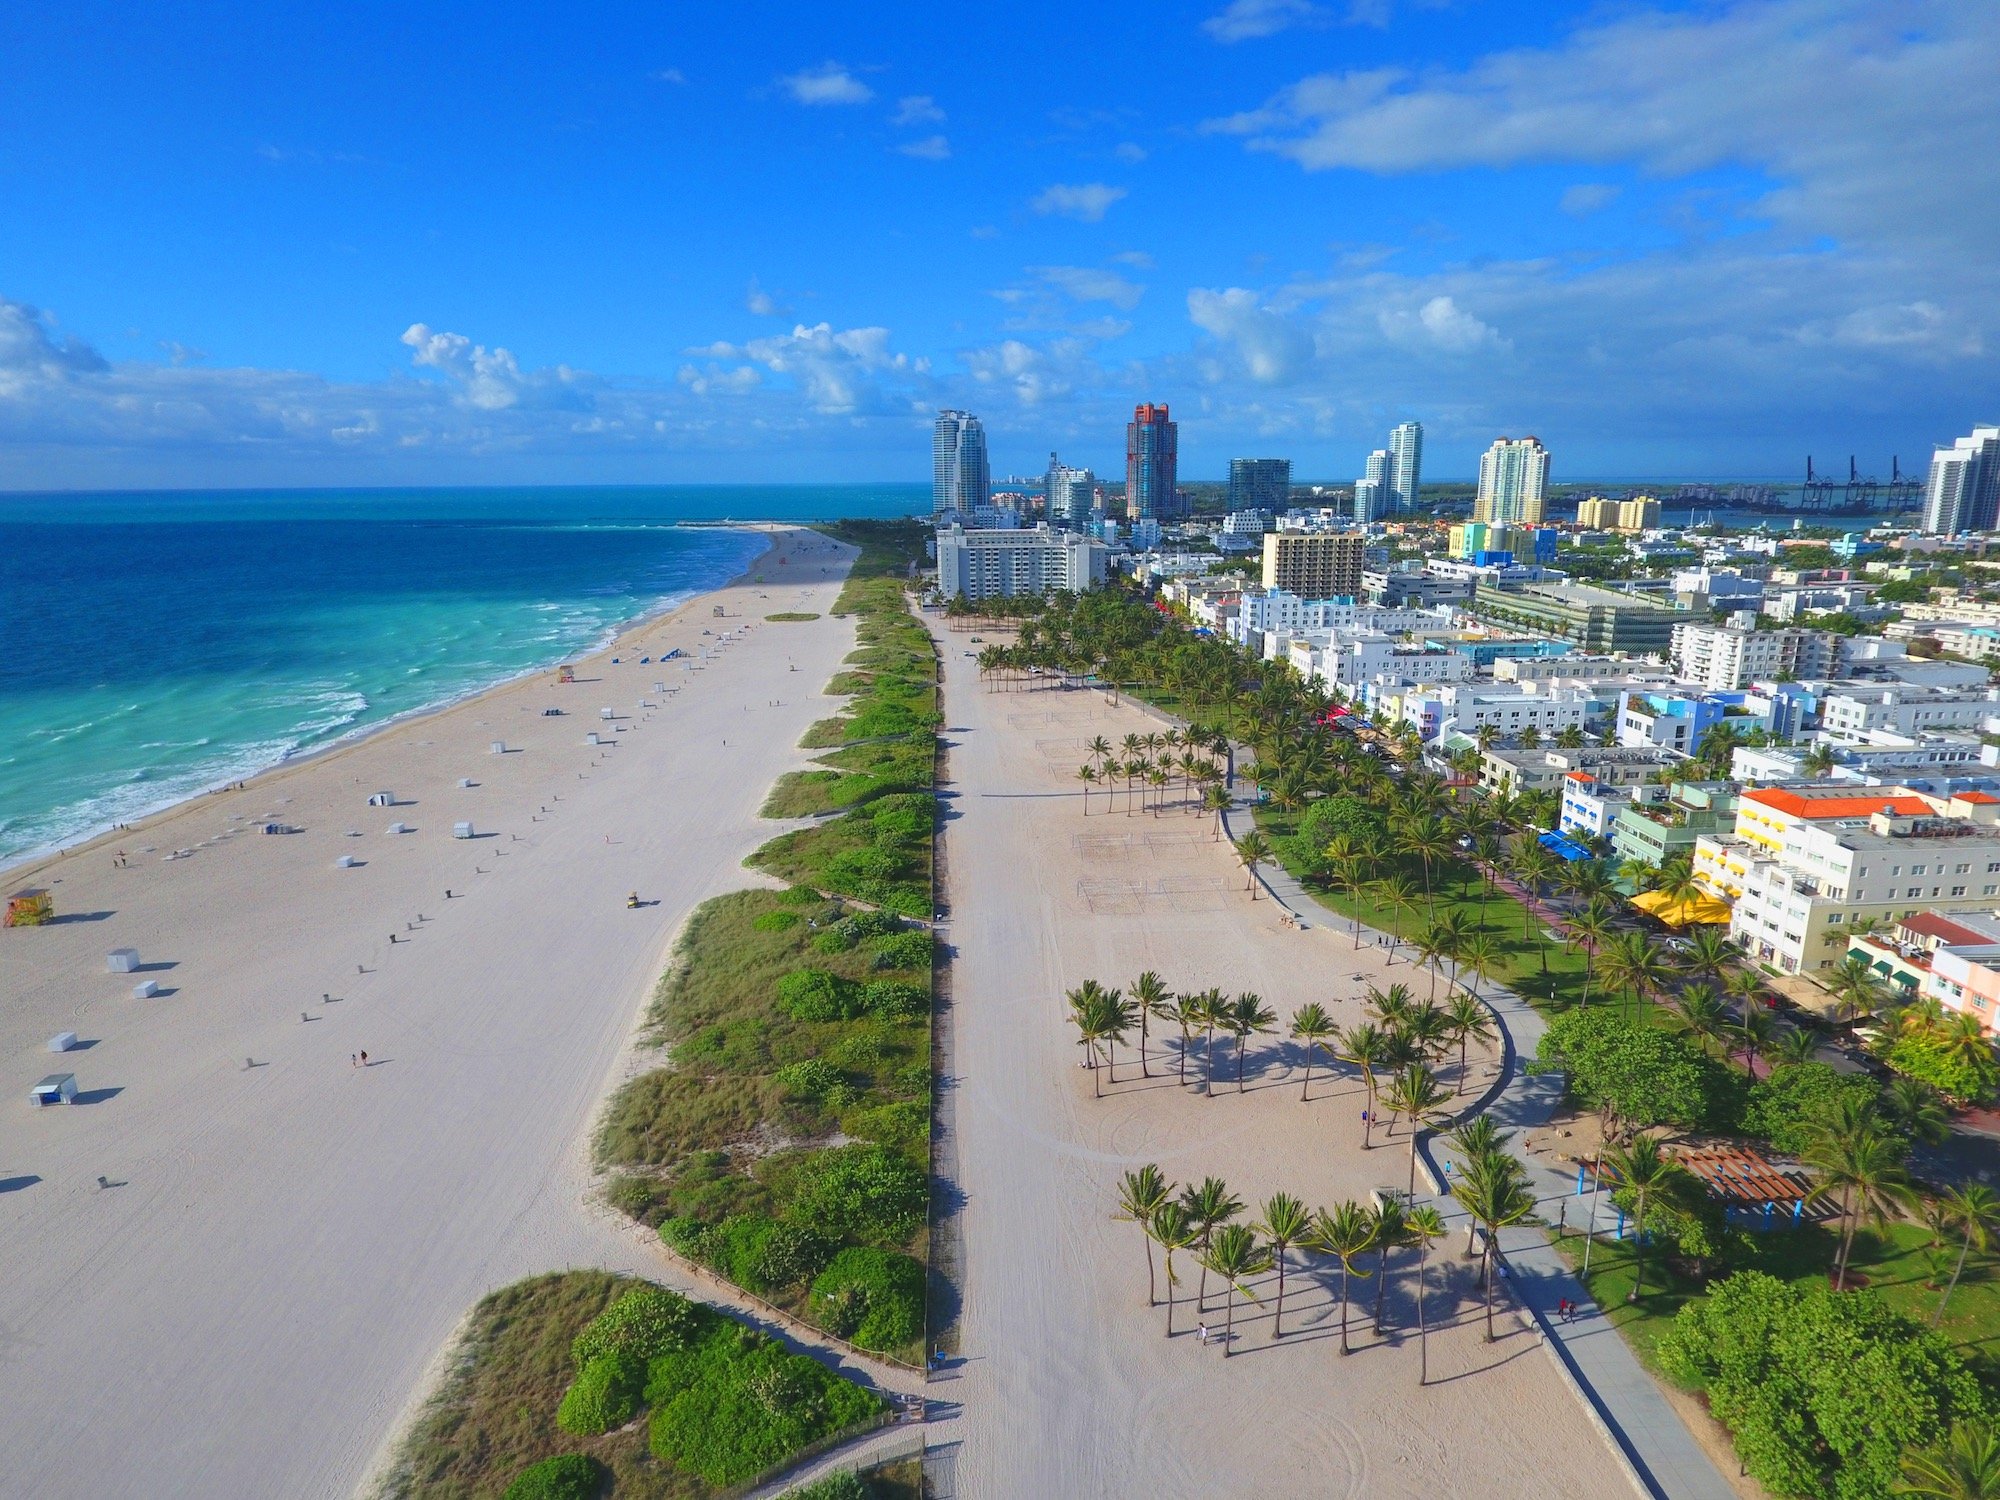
point(1551, 975)
point(1893, 1262)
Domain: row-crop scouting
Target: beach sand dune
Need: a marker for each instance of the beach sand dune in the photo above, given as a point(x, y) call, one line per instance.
point(1068, 1383)
point(289, 1237)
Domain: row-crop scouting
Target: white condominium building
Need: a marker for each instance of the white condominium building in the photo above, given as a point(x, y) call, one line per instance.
point(1963, 493)
point(1806, 863)
point(983, 564)
point(960, 480)
point(1513, 482)
point(1406, 464)
point(1723, 657)
point(1855, 713)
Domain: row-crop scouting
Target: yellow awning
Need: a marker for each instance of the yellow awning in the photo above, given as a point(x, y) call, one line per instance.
point(1686, 912)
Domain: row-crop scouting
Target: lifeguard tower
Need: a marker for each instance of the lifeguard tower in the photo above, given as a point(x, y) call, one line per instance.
point(30, 908)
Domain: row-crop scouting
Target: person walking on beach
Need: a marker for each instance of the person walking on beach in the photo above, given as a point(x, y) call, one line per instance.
point(353, 1061)
point(364, 1059)
point(1201, 1335)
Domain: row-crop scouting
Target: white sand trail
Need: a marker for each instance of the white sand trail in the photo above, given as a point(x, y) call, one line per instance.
point(286, 1247)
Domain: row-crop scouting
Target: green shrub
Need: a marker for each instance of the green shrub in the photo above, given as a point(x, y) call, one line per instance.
point(900, 826)
point(793, 1253)
point(844, 1484)
point(1638, 1075)
point(872, 1298)
point(738, 1405)
point(1821, 1390)
point(865, 1191)
point(818, 995)
point(906, 950)
point(572, 1476)
point(1926, 1053)
point(819, 1081)
point(604, 1395)
point(775, 921)
point(646, 1321)
point(1785, 1107)
point(890, 1000)
point(868, 924)
point(835, 939)
point(904, 1125)
point(801, 895)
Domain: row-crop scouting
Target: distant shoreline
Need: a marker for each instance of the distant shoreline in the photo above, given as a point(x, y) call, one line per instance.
point(171, 806)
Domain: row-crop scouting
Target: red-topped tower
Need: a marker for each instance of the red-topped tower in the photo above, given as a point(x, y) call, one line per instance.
point(1152, 460)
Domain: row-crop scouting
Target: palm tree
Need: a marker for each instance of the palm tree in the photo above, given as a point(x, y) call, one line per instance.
point(1312, 1025)
point(1391, 1233)
point(1416, 1092)
point(1251, 851)
point(1395, 892)
point(1247, 1016)
point(1171, 1228)
point(1709, 953)
point(1592, 928)
point(1975, 1210)
point(1703, 1015)
point(1636, 964)
point(1420, 1226)
point(1215, 798)
point(1086, 774)
point(1963, 1465)
point(1349, 868)
point(1477, 955)
point(1427, 840)
point(1099, 750)
point(1141, 1195)
point(1795, 1045)
point(1345, 1234)
point(1214, 1011)
point(1863, 1165)
point(1102, 1017)
point(1185, 1012)
point(1208, 1206)
point(1149, 993)
point(1235, 1256)
point(1468, 1021)
point(1856, 987)
point(1367, 1047)
point(1646, 1173)
point(1493, 1192)
point(1915, 1109)
point(1286, 1222)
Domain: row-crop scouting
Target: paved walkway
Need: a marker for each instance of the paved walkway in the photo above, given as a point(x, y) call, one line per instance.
point(1663, 1458)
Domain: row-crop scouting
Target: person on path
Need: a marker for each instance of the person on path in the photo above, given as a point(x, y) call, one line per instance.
point(353, 1061)
point(1201, 1335)
point(364, 1059)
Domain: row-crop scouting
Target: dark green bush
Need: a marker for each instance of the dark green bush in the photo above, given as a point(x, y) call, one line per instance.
point(571, 1476)
point(866, 1191)
point(738, 1404)
point(646, 1321)
point(604, 1395)
point(775, 921)
point(872, 1298)
point(904, 1125)
point(801, 895)
point(792, 1254)
point(1785, 1107)
point(812, 1078)
point(818, 995)
point(905, 950)
point(834, 939)
point(868, 924)
point(900, 826)
point(845, 1484)
point(894, 1001)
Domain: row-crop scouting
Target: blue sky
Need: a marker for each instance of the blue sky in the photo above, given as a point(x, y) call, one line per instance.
point(501, 244)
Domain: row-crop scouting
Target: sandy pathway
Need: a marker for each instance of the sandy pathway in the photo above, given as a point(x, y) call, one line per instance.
point(286, 1247)
point(1068, 1385)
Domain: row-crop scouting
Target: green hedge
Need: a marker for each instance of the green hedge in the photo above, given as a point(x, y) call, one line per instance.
point(865, 1191)
point(646, 1322)
point(872, 1298)
point(571, 1476)
point(604, 1395)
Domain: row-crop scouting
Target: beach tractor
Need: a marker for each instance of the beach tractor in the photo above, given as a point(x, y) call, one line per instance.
point(632, 902)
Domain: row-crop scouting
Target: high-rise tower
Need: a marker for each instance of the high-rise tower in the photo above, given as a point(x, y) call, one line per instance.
point(960, 481)
point(1152, 462)
point(1964, 489)
point(1406, 463)
point(1513, 479)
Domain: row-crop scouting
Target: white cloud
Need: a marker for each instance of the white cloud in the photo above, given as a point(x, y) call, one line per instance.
point(1243, 20)
point(1586, 198)
point(930, 148)
point(29, 352)
point(829, 83)
point(1137, 259)
point(1439, 323)
point(667, 75)
point(1085, 201)
point(762, 303)
point(838, 371)
point(1273, 349)
point(1084, 284)
point(717, 380)
point(984, 232)
point(1129, 151)
point(917, 109)
point(488, 380)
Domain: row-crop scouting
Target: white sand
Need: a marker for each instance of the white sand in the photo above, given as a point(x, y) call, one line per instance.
point(248, 1310)
point(1069, 1386)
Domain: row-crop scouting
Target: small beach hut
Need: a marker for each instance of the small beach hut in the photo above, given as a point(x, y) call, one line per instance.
point(461, 830)
point(592, 738)
point(62, 1041)
point(145, 989)
point(345, 862)
point(122, 961)
point(605, 713)
point(57, 1088)
point(499, 747)
point(399, 828)
point(30, 908)
point(465, 781)
point(382, 799)
point(565, 674)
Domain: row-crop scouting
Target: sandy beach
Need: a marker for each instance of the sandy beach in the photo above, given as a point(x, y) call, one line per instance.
point(1068, 1382)
point(288, 1238)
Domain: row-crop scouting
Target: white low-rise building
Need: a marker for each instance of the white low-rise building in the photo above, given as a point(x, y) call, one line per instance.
point(1466, 708)
point(1855, 713)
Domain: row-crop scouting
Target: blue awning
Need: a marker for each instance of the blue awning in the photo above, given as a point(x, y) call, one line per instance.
point(1563, 846)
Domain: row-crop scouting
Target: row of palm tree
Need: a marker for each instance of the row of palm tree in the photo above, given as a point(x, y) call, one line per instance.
point(1202, 1219)
point(1152, 762)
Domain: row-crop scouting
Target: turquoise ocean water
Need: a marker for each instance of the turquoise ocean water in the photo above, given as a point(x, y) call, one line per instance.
point(158, 644)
